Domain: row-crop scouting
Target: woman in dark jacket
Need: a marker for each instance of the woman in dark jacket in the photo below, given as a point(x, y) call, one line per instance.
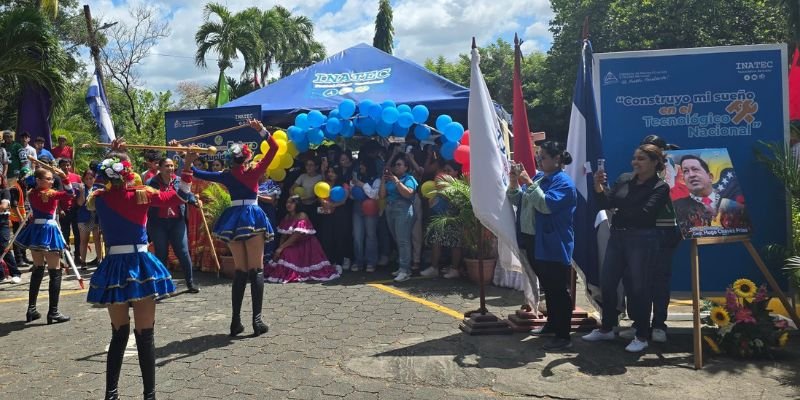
point(633, 247)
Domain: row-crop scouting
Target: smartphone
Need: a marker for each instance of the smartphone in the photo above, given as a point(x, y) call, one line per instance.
point(409, 148)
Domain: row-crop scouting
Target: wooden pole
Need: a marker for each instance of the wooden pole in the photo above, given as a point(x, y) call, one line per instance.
point(208, 235)
point(696, 334)
point(219, 132)
point(772, 283)
point(95, 49)
point(482, 308)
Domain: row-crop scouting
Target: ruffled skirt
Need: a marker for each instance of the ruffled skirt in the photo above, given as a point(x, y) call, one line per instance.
point(303, 261)
point(122, 278)
point(241, 223)
point(41, 237)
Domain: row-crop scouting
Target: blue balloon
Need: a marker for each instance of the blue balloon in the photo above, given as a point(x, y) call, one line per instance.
point(389, 115)
point(384, 129)
point(315, 119)
point(333, 126)
point(367, 126)
point(337, 194)
point(453, 132)
point(347, 108)
point(296, 134)
point(364, 106)
point(405, 120)
point(302, 145)
point(334, 114)
point(442, 121)
point(375, 112)
point(315, 136)
point(399, 131)
point(403, 108)
point(348, 129)
point(422, 132)
point(448, 149)
point(301, 121)
point(328, 135)
point(388, 103)
point(358, 193)
point(420, 113)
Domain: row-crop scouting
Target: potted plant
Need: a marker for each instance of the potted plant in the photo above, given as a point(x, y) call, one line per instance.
point(215, 200)
point(478, 243)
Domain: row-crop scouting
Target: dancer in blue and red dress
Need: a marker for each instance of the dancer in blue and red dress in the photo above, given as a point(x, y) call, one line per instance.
point(129, 275)
point(43, 238)
point(244, 225)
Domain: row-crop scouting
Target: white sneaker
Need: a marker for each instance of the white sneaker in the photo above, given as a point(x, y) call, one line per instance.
point(596, 335)
point(429, 272)
point(354, 267)
point(636, 345)
point(383, 261)
point(7, 279)
point(659, 336)
point(395, 273)
point(452, 273)
point(628, 334)
point(402, 277)
point(346, 264)
point(370, 268)
point(16, 279)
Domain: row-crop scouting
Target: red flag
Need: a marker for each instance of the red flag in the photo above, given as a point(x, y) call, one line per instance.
point(523, 151)
point(794, 88)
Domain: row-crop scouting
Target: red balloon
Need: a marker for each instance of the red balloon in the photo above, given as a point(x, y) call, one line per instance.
point(461, 155)
point(465, 138)
point(369, 207)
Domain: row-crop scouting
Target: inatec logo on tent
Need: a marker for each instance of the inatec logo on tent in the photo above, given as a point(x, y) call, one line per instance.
point(327, 79)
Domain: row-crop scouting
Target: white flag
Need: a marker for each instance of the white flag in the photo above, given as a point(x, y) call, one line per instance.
point(98, 106)
point(489, 173)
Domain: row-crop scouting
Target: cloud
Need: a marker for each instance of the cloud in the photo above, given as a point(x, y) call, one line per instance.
point(423, 29)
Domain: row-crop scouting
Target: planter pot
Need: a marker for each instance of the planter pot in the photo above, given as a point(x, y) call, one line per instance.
point(473, 267)
point(226, 266)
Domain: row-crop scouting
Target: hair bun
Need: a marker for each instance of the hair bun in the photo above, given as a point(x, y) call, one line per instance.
point(566, 158)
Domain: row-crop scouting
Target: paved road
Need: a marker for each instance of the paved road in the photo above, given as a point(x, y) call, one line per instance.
point(350, 340)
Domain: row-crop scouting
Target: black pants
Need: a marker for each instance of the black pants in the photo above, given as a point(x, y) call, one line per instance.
point(11, 262)
point(69, 225)
point(553, 278)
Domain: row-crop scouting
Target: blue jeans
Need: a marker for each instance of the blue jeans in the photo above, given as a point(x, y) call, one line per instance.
point(365, 237)
point(384, 237)
point(400, 217)
point(165, 232)
point(631, 256)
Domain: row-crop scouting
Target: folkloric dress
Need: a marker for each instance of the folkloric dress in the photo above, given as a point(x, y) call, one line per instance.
point(304, 260)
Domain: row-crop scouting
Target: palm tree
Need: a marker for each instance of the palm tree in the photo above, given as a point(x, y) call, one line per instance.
point(31, 52)
point(301, 57)
point(232, 34)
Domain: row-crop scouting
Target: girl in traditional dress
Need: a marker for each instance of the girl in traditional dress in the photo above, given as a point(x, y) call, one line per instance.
point(299, 257)
point(43, 238)
point(129, 275)
point(244, 225)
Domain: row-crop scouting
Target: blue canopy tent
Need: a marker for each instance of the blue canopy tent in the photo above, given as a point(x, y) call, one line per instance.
point(358, 73)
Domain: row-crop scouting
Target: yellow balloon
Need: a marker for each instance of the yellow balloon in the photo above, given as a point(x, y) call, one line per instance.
point(428, 189)
point(264, 147)
point(299, 191)
point(278, 174)
point(274, 163)
point(280, 135)
point(322, 190)
point(258, 157)
point(286, 161)
point(292, 149)
point(281, 147)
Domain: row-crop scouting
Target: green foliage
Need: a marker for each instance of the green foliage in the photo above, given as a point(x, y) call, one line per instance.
point(218, 199)
point(462, 218)
point(384, 31)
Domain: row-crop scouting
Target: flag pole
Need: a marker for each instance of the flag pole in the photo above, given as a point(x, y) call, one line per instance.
point(95, 49)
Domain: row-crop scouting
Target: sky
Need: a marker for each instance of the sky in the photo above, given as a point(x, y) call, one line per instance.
point(423, 29)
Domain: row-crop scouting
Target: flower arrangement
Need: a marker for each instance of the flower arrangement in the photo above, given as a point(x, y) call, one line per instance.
point(743, 327)
point(114, 169)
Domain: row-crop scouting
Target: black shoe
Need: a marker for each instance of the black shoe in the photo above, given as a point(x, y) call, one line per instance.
point(191, 288)
point(542, 330)
point(37, 274)
point(145, 345)
point(237, 296)
point(116, 352)
point(556, 344)
point(32, 314)
point(257, 294)
point(54, 290)
point(93, 262)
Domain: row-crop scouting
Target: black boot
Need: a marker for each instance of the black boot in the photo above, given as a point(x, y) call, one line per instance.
point(116, 351)
point(37, 274)
point(237, 295)
point(53, 315)
point(257, 295)
point(147, 361)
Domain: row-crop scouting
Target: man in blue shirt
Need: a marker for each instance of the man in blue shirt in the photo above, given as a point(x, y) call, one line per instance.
point(38, 144)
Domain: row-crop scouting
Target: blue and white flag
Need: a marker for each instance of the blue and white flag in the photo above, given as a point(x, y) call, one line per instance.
point(585, 145)
point(98, 106)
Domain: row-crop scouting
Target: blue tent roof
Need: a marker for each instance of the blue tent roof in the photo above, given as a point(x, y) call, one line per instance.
point(358, 73)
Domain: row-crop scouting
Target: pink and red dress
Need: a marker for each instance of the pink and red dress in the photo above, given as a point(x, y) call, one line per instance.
point(302, 261)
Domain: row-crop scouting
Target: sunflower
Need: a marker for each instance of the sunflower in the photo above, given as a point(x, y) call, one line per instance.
point(720, 316)
point(745, 288)
point(711, 344)
point(783, 338)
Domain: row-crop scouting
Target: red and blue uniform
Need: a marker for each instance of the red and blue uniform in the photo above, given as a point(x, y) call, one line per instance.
point(129, 272)
point(244, 218)
point(42, 232)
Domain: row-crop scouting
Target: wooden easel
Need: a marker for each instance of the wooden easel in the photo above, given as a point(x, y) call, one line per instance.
point(745, 240)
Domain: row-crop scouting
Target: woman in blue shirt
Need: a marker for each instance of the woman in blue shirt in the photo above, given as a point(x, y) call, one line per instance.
point(554, 239)
point(398, 190)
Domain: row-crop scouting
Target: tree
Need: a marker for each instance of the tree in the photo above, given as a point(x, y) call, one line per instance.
point(128, 44)
point(233, 34)
point(384, 31)
point(193, 96)
point(236, 88)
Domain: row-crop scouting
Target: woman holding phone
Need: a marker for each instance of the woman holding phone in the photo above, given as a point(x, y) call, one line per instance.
point(398, 189)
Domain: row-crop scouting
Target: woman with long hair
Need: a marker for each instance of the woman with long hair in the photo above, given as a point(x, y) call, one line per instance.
point(334, 218)
point(130, 276)
point(244, 225)
point(398, 189)
point(43, 238)
point(87, 220)
point(366, 186)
